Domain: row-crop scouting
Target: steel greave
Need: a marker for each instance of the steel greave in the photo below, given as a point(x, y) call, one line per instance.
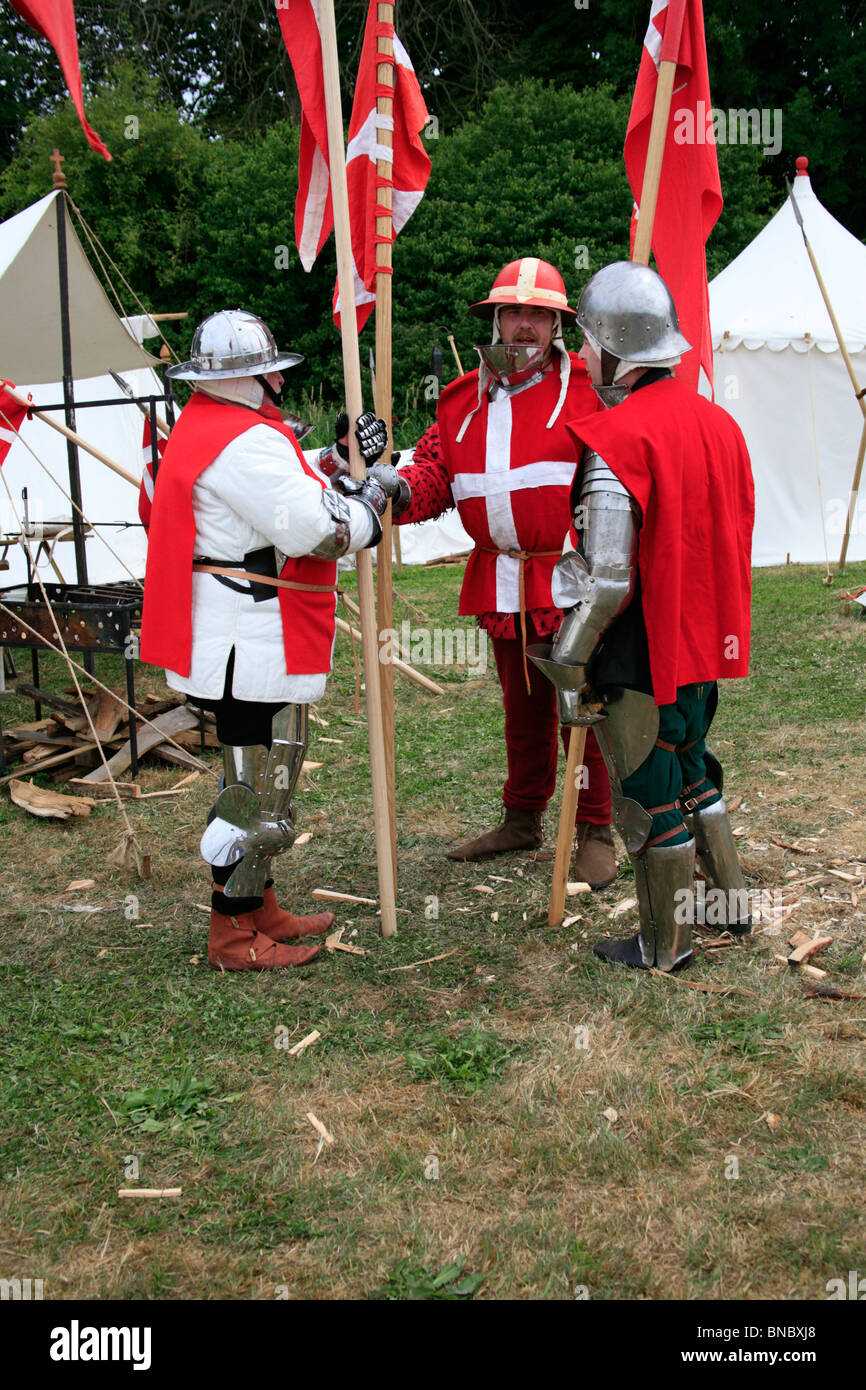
point(717, 852)
point(662, 875)
point(253, 821)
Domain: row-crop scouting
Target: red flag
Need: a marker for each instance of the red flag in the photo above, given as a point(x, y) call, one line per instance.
point(410, 162)
point(690, 194)
point(11, 415)
point(314, 216)
point(54, 20)
point(145, 495)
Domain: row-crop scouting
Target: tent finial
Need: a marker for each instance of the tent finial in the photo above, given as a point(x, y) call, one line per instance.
point(802, 166)
point(58, 178)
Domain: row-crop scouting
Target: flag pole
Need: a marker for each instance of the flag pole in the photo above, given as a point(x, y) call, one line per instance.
point(567, 814)
point(658, 131)
point(383, 390)
point(352, 379)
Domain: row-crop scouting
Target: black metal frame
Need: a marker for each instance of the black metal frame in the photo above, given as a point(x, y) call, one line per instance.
point(92, 618)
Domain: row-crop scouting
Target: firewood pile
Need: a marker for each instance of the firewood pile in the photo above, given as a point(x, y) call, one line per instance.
point(62, 743)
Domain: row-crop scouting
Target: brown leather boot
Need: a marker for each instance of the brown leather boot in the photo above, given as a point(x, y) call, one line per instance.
point(236, 944)
point(593, 860)
point(283, 926)
point(518, 829)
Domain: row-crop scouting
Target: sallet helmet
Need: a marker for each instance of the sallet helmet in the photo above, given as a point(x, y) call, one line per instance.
point(628, 310)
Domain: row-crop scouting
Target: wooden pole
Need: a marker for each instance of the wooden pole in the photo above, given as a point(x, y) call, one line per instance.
point(74, 437)
point(354, 406)
point(567, 813)
point(658, 132)
point(852, 501)
point(402, 667)
point(383, 394)
point(846, 357)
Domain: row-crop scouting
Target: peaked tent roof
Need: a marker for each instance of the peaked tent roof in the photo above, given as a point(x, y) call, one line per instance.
point(769, 294)
point(30, 301)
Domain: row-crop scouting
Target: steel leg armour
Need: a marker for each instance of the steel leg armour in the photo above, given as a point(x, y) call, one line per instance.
point(662, 872)
point(253, 820)
point(720, 863)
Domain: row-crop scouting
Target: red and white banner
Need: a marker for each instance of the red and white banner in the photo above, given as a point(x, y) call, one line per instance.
point(11, 416)
point(410, 163)
point(690, 193)
point(54, 20)
point(145, 495)
point(314, 216)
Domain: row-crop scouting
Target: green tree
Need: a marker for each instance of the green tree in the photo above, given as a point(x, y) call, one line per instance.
point(145, 205)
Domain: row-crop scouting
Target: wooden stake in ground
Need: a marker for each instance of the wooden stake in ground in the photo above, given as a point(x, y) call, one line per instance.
point(658, 131)
point(384, 259)
point(352, 378)
point(568, 811)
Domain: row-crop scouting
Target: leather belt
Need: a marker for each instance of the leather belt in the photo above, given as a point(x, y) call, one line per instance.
point(522, 556)
point(259, 568)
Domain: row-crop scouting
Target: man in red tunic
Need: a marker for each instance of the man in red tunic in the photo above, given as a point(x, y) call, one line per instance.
point(658, 598)
point(501, 452)
point(233, 490)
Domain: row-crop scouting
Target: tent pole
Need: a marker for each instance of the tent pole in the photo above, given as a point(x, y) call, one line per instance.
point(859, 392)
point(852, 501)
point(68, 389)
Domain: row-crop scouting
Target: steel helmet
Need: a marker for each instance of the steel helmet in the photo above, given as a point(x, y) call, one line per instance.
point(527, 281)
point(232, 343)
point(629, 311)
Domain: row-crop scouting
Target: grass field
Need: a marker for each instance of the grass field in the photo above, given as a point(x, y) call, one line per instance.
point(515, 1120)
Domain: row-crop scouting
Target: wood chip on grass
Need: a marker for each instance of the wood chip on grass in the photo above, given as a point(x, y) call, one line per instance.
point(306, 1042)
point(149, 1193)
point(39, 801)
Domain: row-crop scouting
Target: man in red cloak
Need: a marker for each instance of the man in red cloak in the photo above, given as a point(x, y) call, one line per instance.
point(658, 599)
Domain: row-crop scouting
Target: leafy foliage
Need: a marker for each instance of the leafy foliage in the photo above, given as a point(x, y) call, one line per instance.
point(466, 1063)
point(408, 1282)
point(175, 1105)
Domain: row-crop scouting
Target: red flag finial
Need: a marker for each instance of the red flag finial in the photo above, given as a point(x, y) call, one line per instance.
point(802, 166)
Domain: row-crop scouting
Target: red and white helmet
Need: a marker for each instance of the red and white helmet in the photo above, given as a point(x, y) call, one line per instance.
point(533, 283)
point(527, 281)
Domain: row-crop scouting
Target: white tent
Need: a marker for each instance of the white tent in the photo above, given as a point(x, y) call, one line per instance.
point(779, 372)
point(31, 358)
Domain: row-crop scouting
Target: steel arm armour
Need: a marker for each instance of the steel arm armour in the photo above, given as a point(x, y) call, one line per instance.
point(596, 587)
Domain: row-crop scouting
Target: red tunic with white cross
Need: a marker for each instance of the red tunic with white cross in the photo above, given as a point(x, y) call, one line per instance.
point(509, 478)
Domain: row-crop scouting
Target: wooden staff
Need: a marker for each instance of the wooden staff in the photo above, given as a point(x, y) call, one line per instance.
point(383, 395)
point(658, 131)
point(846, 356)
point(565, 838)
point(76, 438)
point(354, 406)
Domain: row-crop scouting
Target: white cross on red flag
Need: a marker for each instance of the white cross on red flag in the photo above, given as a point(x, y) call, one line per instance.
point(690, 193)
point(314, 218)
point(11, 416)
point(410, 163)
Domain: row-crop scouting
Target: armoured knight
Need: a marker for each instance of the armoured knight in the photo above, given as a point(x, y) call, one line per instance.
point(239, 607)
point(657, 600)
